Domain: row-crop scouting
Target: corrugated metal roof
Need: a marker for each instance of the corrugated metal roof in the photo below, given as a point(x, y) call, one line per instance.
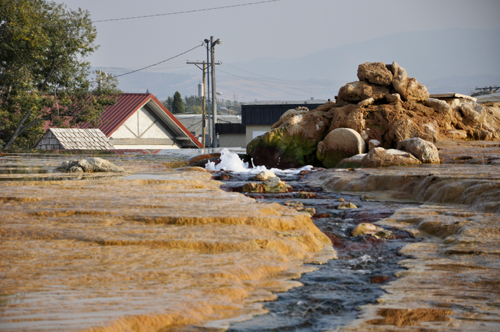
point(115, 115)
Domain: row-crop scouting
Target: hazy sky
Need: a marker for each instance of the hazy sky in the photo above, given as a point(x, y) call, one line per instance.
point(285, 28)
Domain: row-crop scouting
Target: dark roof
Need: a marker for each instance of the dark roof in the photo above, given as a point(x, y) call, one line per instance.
point(127, 104)
point(268, 114)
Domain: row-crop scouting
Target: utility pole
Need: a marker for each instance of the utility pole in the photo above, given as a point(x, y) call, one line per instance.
point(214, 92)
point(210, 44)
point(205, 65)
point(203, 118)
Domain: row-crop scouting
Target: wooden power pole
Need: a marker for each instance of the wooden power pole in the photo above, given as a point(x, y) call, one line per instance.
point(204, 106)
point(204, 68)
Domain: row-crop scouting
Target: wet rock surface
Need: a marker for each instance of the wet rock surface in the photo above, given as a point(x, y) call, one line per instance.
point(148, 251)
point(434, 267)
point(89, 165)
point(329, 296)
point(451, 281)
point(423, 150)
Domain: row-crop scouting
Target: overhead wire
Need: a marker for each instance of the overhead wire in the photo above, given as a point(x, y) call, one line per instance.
point(284, 83)
point(155, 64)
point(278, 80)
point(185, 11)
point(157, 15)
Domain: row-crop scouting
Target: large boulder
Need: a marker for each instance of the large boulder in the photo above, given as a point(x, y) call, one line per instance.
point(440, 106)
point(375, 72)
point(408, 88)
point(89, 165)
point(379, 157)
point(339, 144)
point(352, 162)
point(471, 111)
point(288, 114)
point(348, 116)
point(361, 90)
point(423, 150)
point(293, 144)
point(480, 121)
point(405, 128)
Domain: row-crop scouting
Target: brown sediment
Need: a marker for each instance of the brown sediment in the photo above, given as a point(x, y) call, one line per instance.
point(410, 317)
point(144, 254)
point(455, 266)
point(19, 199)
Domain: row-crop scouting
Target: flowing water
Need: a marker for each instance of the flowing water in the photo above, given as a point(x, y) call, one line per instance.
point(159, 249)
point(331, 295)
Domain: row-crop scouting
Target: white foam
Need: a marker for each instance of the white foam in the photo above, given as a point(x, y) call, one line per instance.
point(232, 162)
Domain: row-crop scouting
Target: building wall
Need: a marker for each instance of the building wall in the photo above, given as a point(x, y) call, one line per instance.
point(256, 130)
point(147, 147)
point(232, 140)
point(143, 130)
point(193, 121)
point(49, 142)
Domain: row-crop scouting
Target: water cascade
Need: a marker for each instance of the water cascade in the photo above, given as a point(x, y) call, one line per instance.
point(159, 249)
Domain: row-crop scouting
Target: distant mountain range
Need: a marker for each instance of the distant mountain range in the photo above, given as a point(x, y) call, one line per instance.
point(455, 60)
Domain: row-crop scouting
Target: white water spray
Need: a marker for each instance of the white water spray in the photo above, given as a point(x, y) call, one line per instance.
point(232, 162)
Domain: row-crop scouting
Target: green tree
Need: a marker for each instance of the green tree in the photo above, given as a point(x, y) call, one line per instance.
point(43, 72)
point(168, 103)
point(178, 104)
point(193, 104)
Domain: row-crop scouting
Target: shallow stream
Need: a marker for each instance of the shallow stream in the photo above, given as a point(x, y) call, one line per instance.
point(157, 249)
point(331, 295)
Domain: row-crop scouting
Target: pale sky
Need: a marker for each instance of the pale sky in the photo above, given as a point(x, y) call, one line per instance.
point(284, 29)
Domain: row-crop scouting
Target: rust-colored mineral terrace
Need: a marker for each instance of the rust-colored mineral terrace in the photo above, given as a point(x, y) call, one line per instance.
point(143, 252)
point(452, 281)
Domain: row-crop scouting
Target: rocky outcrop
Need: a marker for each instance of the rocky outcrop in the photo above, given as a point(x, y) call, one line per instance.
point(339, 144)
point(292, 144)
point(352, 162)
point(379, 157)
point(407, 87)
point(385, 105)
point(370, 229)
point(264, 175)
point(288, 114)
point(271, 185)
point(423, 150)
point(361, 90)
point(89, 165)
point(375, 72)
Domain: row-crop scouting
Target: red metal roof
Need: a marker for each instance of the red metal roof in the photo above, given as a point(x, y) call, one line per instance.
point(127, 104)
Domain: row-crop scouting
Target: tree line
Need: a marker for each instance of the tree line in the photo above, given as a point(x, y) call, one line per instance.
point(194, 105)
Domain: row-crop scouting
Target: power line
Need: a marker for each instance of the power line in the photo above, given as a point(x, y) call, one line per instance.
point(185, 12)
point(281, 82)
point(155, 64)
point(157, 15)
point(277, 80)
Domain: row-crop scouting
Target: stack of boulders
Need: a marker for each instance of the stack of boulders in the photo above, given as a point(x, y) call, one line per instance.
point(378, 112)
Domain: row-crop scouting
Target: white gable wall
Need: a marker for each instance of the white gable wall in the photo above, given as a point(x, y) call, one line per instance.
point(143, 131)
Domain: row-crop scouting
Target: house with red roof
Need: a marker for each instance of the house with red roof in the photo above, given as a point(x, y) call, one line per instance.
point(140, 121)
